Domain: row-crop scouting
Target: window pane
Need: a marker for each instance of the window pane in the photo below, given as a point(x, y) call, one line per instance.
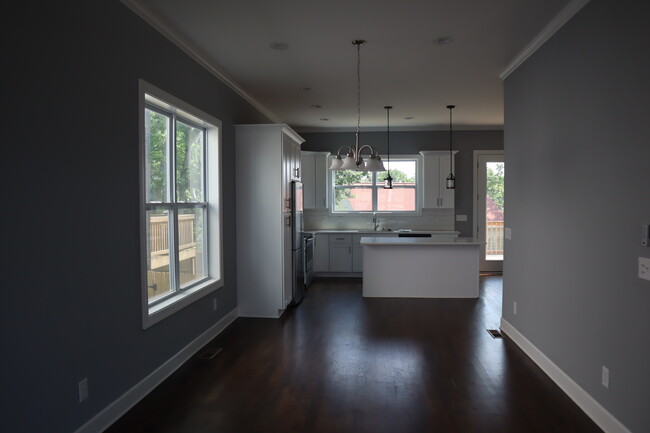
point(396, 199)
point(191, 245)
point(352, 178)
point(189, 163)
point(353, 199)
point(158, 241)
point(156, 154)
point(402, 172)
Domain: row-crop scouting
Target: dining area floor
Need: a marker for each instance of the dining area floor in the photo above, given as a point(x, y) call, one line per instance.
point(342, 363)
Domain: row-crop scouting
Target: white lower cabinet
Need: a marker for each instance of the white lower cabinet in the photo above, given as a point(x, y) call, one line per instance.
point(321, 252)
point(340, 253)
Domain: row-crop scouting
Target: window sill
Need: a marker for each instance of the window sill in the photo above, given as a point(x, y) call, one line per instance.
point(158, 312)
point(386, 213)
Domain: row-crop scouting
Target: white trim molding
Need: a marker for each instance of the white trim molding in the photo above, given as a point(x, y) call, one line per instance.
point(158, 24)
point(551, 28)
point(126, 401)
point(586, 402)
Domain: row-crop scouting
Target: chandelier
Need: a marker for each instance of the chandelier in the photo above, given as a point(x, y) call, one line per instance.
point(353, 160)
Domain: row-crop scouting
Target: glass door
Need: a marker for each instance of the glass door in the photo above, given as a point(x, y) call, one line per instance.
point(490, 209)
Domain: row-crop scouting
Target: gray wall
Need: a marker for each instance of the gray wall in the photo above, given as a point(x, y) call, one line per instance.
point(413, 142)
point(577, 152)
point(70, 275)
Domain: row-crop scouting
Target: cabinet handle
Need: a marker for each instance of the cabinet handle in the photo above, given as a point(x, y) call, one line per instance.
point(350, 250)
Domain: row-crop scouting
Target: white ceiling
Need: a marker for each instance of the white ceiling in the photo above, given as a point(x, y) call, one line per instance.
point(401, 65)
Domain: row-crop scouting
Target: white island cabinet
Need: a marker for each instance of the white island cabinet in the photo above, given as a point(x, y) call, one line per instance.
point(420, 267)
point(267, 159)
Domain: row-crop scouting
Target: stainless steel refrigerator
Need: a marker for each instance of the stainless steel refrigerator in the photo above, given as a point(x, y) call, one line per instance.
point(297, 266)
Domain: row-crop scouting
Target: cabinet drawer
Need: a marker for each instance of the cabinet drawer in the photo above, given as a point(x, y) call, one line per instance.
point(344, 239)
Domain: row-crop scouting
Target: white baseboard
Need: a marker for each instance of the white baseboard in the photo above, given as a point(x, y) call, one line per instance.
point(586, 402)
point(119, 407)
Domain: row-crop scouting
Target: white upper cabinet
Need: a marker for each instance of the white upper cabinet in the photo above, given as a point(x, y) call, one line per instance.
point(436, 169)
point(314, 179)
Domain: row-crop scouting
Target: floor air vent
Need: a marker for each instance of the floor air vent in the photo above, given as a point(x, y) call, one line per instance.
point(495, 333)
point(210, 352)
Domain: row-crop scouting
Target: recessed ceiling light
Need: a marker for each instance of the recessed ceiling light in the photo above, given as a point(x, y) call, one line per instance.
point(324, 119)
point(409, 118)
point(279, 45)
point(316, 106)
point(304, 89)
point(444, 40)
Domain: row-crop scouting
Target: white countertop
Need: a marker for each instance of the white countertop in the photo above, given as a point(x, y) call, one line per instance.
point(362, 231)
point(369, 241)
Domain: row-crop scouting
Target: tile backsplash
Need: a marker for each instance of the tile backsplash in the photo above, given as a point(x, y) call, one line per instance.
point(431, 219)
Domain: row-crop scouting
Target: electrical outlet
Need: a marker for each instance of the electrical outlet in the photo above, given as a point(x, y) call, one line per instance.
point(514, 307)
point(214, 304)
point(605, 377)
point(644, 268)
point(83, 389)
point(508, 233)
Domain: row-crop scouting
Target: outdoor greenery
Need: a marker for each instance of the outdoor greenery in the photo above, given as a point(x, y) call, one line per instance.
point(495, 184)
point(398, 177)
point(189, 159)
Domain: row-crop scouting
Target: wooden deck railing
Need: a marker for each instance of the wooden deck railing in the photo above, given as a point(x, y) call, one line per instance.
point(159, 240)
point(157, 276)
point(158, 232)
point(494, 238)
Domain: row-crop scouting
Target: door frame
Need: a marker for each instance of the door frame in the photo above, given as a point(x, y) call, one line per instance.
point(477, 154)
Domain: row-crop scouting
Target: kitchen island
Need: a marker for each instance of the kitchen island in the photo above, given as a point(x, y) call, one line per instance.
point(420, 267)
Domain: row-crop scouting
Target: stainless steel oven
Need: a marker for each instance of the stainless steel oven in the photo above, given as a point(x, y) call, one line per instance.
point(309, 258)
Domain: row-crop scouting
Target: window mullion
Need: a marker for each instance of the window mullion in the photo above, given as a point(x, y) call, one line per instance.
point(174, 252)
point(205, 199)
point(374, 192)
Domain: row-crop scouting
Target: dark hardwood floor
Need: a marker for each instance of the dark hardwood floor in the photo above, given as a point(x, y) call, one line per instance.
point(342, 363)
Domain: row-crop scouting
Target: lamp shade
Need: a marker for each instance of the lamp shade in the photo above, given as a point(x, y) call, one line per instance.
point(374, 164)
point(337, 162)
point(349, 163)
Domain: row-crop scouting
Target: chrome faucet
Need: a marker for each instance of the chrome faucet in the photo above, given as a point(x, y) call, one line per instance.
point(374, 221)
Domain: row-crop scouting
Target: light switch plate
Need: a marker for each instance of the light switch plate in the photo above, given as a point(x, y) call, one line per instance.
point(461, 217)
point(508, 233)
point(644, 268)
point(83, 389)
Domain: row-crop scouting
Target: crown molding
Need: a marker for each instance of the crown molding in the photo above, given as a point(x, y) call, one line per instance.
point(423, 128)
point(157, 23)
point(551, 28)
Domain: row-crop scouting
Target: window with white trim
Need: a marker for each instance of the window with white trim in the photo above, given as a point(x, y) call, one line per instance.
point(359, 191)
point(181, 221)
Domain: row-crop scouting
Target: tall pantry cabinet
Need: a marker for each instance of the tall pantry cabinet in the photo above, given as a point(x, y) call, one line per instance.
point(267, 160)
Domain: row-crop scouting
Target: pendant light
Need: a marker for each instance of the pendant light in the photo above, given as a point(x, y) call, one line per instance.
point(353, 159)
point(388, 181)
point(451, 180)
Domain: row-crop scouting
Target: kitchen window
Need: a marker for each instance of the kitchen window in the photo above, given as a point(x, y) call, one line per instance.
point(359, 191)
point(181, 211)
